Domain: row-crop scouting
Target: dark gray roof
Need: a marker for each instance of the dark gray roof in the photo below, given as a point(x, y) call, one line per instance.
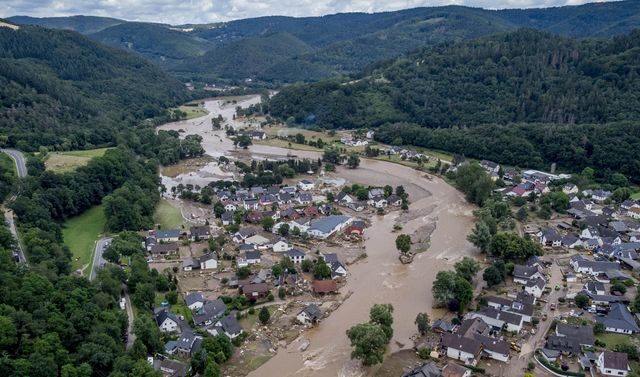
point(620, 318)
point(563, 344)
point(425, 370)
point(445, 326)
point(210, 310)
point(193, 297)
point(615, 360)
point(230, 325)
point(168, 233)
point(163, 314)
point(583, 334)
point(512, 318)
point(295, 253)
point(313, 311)
point(524, 272)
point(492, 344)
point(252, 255)
point(458, 342)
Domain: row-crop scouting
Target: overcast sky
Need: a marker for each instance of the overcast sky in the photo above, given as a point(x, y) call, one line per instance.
point(203, 11)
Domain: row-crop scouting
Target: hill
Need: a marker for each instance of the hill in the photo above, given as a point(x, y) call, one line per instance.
point(81, 24)
point(498, 97)
point(246, 58)
point(58, 88)
point(157, 43)
point(333, 45)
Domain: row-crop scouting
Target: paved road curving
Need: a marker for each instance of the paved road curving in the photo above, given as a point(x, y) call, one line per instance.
point(21, 167)
point(98, 260)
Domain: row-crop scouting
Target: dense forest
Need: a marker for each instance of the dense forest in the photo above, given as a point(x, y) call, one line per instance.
point(502, 97)
point(312, 48)
point(60, 89)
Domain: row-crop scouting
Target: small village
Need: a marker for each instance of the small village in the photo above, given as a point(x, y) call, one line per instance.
point(569, 306)
point(280, 249)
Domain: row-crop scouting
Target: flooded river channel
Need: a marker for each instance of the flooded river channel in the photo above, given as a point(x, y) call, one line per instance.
point(379, 278)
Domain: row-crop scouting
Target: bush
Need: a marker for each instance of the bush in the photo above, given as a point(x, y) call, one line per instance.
point(600, 343)
point(252, 311)
point(270, 297)
point(424, 353)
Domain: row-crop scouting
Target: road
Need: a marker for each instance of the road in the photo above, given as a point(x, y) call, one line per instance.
point(98, 261)
point(21, 167)
point(131, 337)
point(536, 341)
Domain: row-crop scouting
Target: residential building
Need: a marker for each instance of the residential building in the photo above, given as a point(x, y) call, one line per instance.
point(209, 262)
point(325, 227)
point(523, 309)
point(467, 350)
point(394, 200)
point(185, 346)
point(455, 370)
point(499, 319)
point(167, 321)
point(170, 368)
point(281, 246)
point(310, 315)
point(169, 235)
point(425, 370)
point(255, 291)
point(582, 334)
point(305, 185)
point(210, 312)
point(613, 364)
point(619, 320)
point(252, 257)
point(194, 300)
point(189, 264)
point(535, 287)
point(162, 249)
point(227, 325)
point(296, 256)
point(324, 286)
point(522, 274)
point(200, 233)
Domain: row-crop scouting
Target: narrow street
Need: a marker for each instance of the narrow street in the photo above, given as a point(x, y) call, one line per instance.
point(131, 337)
point(519, 363)
point(98, 261)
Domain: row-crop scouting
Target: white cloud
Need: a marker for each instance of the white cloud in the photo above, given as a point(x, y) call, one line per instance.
point(203, 11)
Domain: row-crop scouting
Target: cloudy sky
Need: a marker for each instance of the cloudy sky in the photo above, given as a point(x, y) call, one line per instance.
point(203, 11)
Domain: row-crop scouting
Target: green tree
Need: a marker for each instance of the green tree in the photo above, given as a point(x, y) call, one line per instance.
point(480, 236)
point(423, 323)
point(306, 265)
point(493, 276)
point(283, 230)
point(369, 342)
point(353, 161)
point(321, 270)
point(467, 268)
point(617, 286)
point(267, 223)
point(212, 369)
point(264, 315)
point(243, 272)
point(403, 243)
point(522, 214)
point(332, 155)
point(382, 314)
point(581, 300)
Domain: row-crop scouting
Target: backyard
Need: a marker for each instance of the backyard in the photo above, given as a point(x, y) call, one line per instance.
point(168, 216)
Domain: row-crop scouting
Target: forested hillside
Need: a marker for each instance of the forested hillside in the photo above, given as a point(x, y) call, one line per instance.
point(155, 42)
point(448, 95)
point(248, 57)
point(81, 24)
point(60, 89)
point(328, 46)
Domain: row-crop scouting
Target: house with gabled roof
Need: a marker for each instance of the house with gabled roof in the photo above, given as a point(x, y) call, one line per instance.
point(613, 364)
point(309, 315)
point(209, 313)
point(227, 325)
point(467, 350)
point(194, 300)
point(167, 321)
point(522, 274)
point(619, 320)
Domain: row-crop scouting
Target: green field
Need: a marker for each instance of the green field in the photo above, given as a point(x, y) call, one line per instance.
point(193, 111)
point(60, 162)
point(168, 216)
point(613, 339)
point(636, 196)
point(80, 234)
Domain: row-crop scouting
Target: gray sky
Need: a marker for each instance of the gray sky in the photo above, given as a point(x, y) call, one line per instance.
point(203, 11)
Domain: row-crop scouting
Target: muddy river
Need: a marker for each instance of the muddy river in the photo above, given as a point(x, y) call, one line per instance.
point(379, 278)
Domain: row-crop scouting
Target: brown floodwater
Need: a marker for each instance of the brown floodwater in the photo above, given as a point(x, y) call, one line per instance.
point(379, 278)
